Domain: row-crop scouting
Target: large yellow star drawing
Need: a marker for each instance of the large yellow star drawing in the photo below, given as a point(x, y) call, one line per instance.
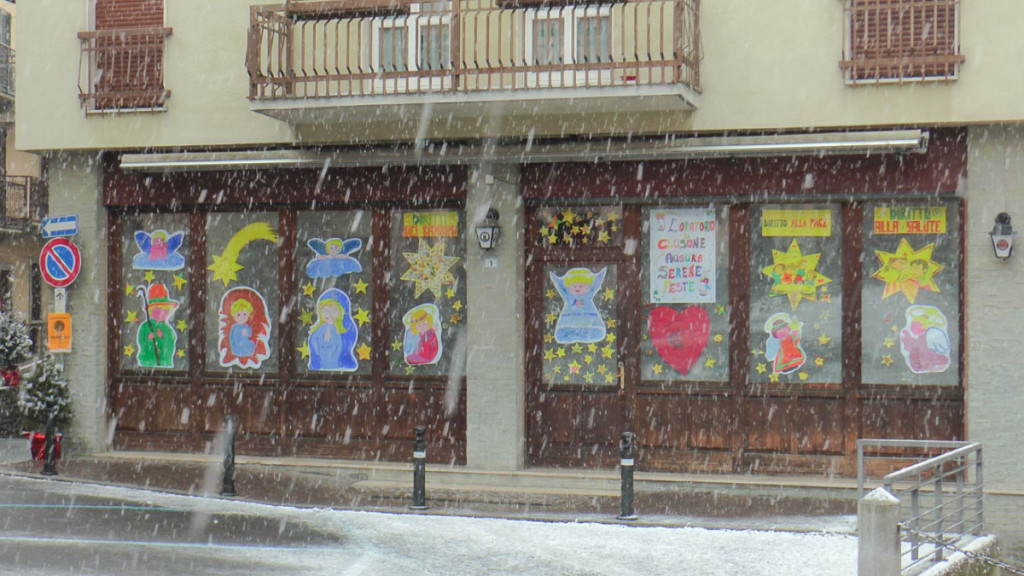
point(795, 275)
point(362, 316)
point(364, 351)
point(226, 264)
point(429, 268)
point(907, 270)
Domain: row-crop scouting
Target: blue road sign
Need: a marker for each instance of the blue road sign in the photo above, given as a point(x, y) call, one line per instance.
point(60, 226)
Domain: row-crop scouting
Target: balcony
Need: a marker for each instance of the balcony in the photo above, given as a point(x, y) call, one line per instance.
point(333, 61)
point(6, 73)
point(24, 203)
point(122, 70)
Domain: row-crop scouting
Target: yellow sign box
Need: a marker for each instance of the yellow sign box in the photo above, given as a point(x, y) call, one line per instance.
point(796, 223)
point(910, 220)
point(58, 332)
point(430, 224)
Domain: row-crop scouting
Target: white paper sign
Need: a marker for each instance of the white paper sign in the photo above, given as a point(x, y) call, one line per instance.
point(682, 255)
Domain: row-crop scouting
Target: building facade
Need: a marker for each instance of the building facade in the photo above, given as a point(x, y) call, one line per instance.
point(751, 233)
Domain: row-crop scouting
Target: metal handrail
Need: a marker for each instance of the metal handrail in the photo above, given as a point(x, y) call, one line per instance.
point(122, 69)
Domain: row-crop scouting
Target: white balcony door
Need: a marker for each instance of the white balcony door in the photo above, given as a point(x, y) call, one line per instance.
point(568, 38)
point(410, 43)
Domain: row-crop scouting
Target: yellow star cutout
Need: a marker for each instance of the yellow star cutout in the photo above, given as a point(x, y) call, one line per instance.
point(304, 350)
point(549, 354)
point(129, 290)
point(601, 369)
point(574, 367)
point(761, 368)
point(306, 317)
point(409, 369)
point(565, 378)
point(907, 270)
point(179, 281)
point(609, 378)
point(457, 305)
point(610, 336)
point(774, 377)
point(396, 345)
point(887, 360)
point(794, 274)
point(608, 294)
point(611, 216)
point(549, 338)
point(709, 363)
point(569, 216)
point(656, 368)
point(455, 318)
point(824, 339)
point(181, 326)
point(132, 316)
point(603, 237)
point(429, 268)
point(129, 350)
point(360, 286)
point(576, 348)
point(180, 353)
point(610, 323)
point(889, 343)
point(308, 289)
point(557, 369)
point(718, 338)
point(802, 375)
point(588, 377)
point(363, 351)
point(561, 352)
point(551, 318)
point(819, 361)
point(149, 276)
point(607, 352)
point(550, 293)
point(362, 316)
point(588, 359)
point(449, 292)
point(592, 348)
point(552, 238)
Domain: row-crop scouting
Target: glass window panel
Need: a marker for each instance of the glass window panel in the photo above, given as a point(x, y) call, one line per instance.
point(334, 271)
point(910, 294)
point(795, 294)
point(547, 41)
point(428, 293)
point(153, 323)
point(593, 39)
point(580, 226)
point(242, 299)
point(685, 286)
point(434, 53)
point(581, 325)
point(392, 49)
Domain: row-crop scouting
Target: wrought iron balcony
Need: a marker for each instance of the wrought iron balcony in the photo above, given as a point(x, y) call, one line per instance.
point(122, 69)
point(306, 53)
point(24, 203)
point(6, 72)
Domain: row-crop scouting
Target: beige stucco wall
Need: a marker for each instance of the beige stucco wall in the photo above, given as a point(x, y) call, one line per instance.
point(767, 65)
point(995, 390)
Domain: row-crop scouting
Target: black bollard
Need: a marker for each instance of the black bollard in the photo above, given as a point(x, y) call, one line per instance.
point(419, 471)
point(50, 447)
point(228, 487)
point(627, 465)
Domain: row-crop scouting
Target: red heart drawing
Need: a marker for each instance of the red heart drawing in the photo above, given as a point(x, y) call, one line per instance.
point(680, 337)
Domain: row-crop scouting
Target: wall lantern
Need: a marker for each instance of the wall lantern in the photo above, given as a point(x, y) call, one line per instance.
point(1002, 236)
point(487, 233)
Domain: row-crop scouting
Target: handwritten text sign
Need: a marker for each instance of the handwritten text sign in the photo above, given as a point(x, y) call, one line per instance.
point(682, 255)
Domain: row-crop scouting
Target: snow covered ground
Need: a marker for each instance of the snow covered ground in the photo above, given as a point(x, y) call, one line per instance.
point(412, 544)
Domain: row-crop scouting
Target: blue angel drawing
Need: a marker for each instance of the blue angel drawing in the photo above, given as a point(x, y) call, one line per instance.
point(333, 257)
point(158, 250)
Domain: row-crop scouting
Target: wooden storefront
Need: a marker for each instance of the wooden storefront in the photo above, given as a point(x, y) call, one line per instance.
point(694, 376)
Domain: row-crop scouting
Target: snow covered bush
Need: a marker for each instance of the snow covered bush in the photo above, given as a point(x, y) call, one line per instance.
point(15, 344)
point(45, 392)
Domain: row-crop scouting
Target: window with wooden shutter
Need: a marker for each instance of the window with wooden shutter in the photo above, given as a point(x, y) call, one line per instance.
point(901, 40)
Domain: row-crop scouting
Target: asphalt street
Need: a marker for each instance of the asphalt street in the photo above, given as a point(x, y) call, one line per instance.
point(54, 527)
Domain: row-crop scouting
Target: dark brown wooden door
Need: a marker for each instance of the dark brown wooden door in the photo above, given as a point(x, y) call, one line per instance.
point(580, 374)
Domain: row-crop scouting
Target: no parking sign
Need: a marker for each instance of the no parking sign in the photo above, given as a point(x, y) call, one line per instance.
point(60, 262)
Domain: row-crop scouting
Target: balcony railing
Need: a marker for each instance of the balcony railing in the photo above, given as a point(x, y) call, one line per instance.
point(24, 202)
point(6, 72)
point(122, 69)
point(332, 49)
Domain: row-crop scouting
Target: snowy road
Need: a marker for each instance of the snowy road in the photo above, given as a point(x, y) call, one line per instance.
point(54, 528)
